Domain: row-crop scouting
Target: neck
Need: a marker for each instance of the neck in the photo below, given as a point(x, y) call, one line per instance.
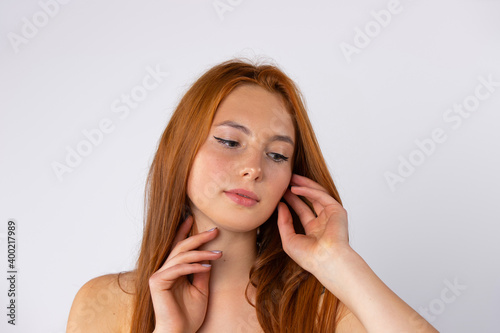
point(239, 251)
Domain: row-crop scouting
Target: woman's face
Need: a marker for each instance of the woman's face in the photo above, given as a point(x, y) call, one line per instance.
point(244, 167)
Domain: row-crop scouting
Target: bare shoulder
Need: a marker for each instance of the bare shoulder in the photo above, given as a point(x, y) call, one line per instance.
point(103, 304)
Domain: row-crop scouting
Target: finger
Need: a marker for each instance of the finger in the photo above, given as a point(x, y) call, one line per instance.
point(164, 280)
point(201, 280)
point(315, 196)
point(304, 181)
point(300, 207)
point(316, 207)
point(183, 231)
point(298, 180)
point(193, 242)
point(191, 257)
point(285, 224)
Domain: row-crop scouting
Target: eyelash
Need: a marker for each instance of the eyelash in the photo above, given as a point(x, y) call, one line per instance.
point(278, 158)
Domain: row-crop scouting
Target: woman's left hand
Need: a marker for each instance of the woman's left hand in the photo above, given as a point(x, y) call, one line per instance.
point(326, 233)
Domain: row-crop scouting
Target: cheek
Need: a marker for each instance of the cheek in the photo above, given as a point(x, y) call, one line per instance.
point(281, 184)
point(209, 173)
point(217, 170)
point(198, 181)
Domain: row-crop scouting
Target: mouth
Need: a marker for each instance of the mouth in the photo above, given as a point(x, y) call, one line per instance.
point(243, 197)
point(244, 193)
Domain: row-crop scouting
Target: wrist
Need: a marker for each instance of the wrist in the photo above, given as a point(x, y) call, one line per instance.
point(334, 266)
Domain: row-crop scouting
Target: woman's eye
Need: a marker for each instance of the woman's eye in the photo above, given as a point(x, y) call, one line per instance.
point(277, 157)
point(228, 143)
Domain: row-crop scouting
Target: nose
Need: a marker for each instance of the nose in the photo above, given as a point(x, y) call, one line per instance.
point(251, 167)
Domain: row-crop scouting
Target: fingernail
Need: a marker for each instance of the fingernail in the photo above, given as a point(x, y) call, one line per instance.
point(217, 251)
point(212, 229)
point(206, 265)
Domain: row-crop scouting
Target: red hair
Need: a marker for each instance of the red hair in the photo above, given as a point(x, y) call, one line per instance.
point(288, 297)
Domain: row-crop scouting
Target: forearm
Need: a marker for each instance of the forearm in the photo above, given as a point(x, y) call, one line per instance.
point(377, 307)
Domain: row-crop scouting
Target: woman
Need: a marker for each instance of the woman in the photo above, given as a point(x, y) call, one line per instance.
point(244, 228)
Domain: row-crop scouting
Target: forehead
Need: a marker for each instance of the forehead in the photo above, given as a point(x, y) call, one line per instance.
point(256, 108)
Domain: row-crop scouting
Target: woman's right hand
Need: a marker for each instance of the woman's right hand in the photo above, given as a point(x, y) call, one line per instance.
point(179, 305)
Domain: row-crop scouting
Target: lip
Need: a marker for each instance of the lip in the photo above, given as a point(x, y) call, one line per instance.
point(249, 199)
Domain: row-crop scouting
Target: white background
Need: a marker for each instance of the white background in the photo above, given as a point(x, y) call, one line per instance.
point(438, 226)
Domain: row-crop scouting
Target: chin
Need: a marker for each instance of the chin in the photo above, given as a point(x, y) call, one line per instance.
point(231, 217)
point(238, 225)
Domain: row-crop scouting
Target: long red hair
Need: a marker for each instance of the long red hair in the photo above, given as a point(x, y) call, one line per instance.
point(288, 297)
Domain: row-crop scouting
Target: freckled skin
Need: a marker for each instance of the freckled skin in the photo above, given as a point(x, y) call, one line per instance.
point(252, 161)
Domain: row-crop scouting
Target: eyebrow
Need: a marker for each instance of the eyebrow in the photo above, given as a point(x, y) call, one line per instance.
point(233, 124)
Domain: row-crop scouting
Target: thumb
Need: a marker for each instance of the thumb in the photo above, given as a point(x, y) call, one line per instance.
point(285, 224)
